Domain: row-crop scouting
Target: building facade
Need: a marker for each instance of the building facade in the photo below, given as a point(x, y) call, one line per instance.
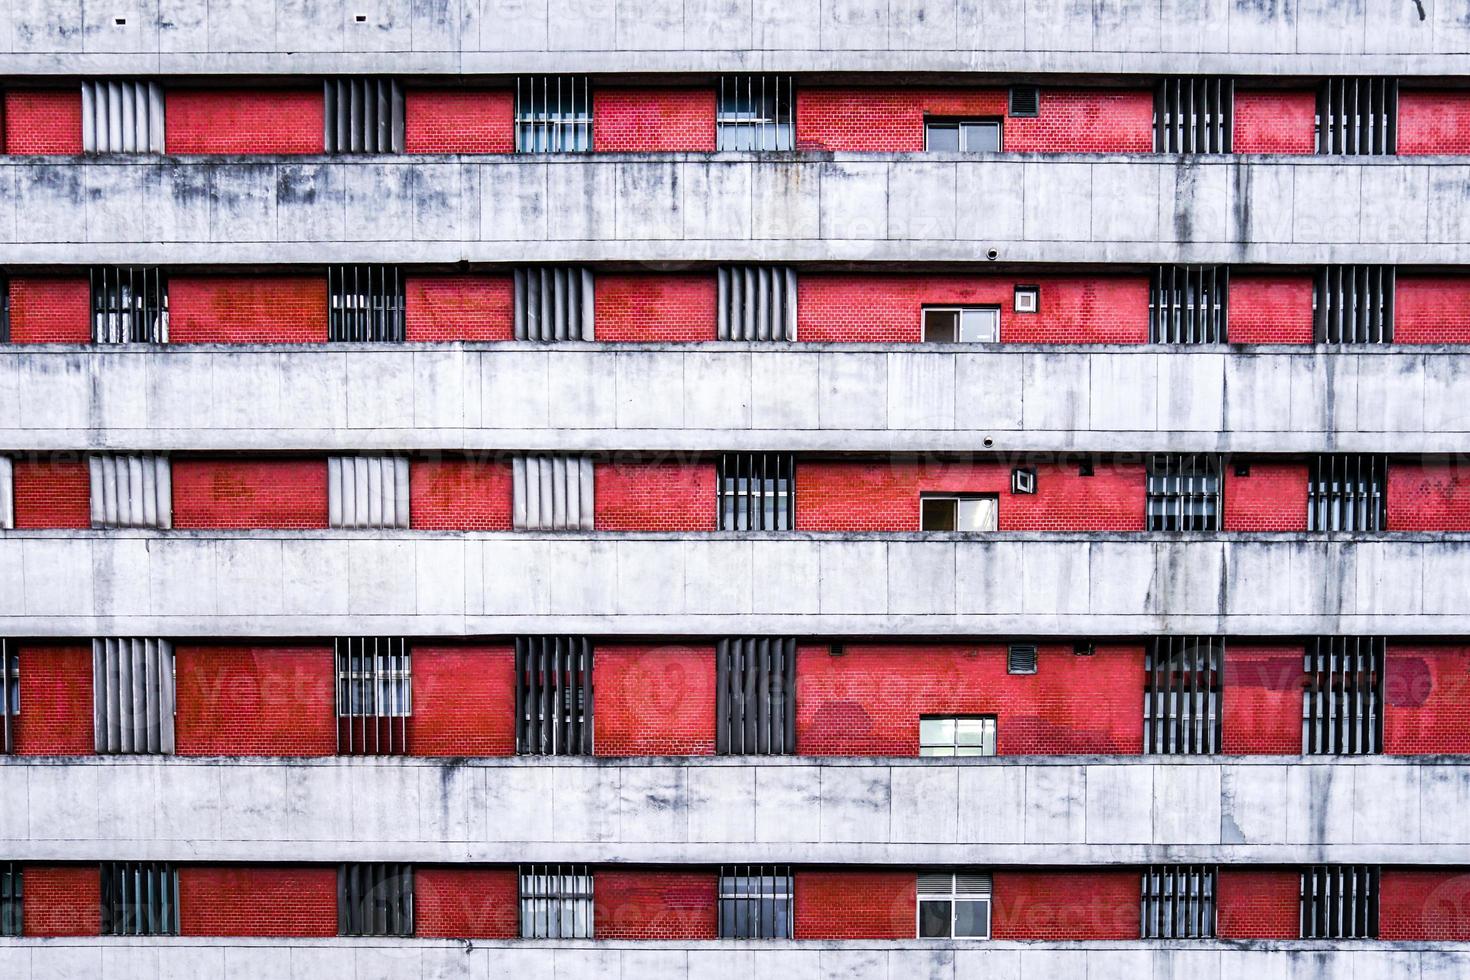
point(711, 488)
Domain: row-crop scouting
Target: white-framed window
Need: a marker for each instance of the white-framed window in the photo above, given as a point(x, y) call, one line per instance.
point(962, 136)
point(959, 512)
point(954, 905)
point(956, 735)
point(961, 324)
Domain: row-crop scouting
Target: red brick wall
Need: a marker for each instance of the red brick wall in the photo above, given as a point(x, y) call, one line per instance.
point(1275, 121)
point(1270, 309)
point(1424, 905)
point(1262, 710)
point(653, 120)
point(654, 904)
point(62, 900)
point(1433, 122)
point(246, 493)
point(842, 904)
point(466, 903)
point(1426, 692)
point(255, 700)
point(1258, 903)
point(868, 701)
point(877, 496)
point(243, 121)
point(869, 308)
point(468, 307)
point(655, 497)
point(50, 311)
point(654, 700)
point(1065, 904)
point(247, 309)
point(55, 702)
point(437, 120)
point(646, 307)
point(52, 493)
point(463, 701)
point(243, 901)
point(1432, 309)
point(1272, 498)
point(458, 494)
point(892, 120)
point(43, 121)
point(1428, 497)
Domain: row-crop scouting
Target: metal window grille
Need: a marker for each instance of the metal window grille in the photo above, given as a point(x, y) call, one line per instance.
point(553, 493)
point(375, 900)
point(755, 302)
point(1025, 100)
point(122, 117)
point(1339, 901)
point(367, 491)
point(757, 491)
point(1342, 702)
point(133, 696)
point(1021, 658)
point(1194, 115)
point(956, 735)
point(755, 901)
point(12, 899)
point(1353, 304)
point(7, 494)
point(554, 696)
point(135, 490)
point(1181, 695)
point(1348, 492)
point(556, 901)
point(362, 115)
point(755, 696)
point(554, 303)
point(553, 114)
point(129, 305)
point(139, 898)
point(1358, 116)
point(954, 905)
point(374, 694)
point(1187, 304)
point(365, 304)
point(9, 693)
point(1178, 901)
point(1184, 493)
point(755, 113)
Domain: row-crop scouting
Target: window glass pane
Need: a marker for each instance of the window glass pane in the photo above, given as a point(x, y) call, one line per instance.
point(934, 920)
point(936, 750)
point(981, 137)
point(938, 514)
point(971, 919)
point(941, 326)
point(977, 514)
point(970, 731)
point(942, 137)
point(936, 731)
point(980, 326)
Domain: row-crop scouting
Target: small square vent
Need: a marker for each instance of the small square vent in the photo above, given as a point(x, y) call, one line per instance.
point(1028, 299)
point(1021, 658)
point(1023, 479)
point(1025, 100)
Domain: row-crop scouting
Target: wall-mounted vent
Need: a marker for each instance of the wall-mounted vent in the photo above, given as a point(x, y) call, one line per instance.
point(755, 303)
point(553, 114)
point(365, 304)
point(1348, 492)
point(553, 493)
point(375, 900)
point(122, 117)
point(7, 493)
point(1194, 115)
point(1353, 304)
point(1023, 480)
point(1025, 100)
point(1181, 695)
point(553, 695)
point(554, 303)
point(1178, 901)
point(755, 699)
point(367, 491)
point(135, 490)
point(1342, 703)
point(374, 694)
point(362, 115)
point(129, 305)
point(133, 696)
point(1187, 304)
point(1339, 901)
point(756, 491)
point(1358, 116)
point(1021, 658)
point(139, 898)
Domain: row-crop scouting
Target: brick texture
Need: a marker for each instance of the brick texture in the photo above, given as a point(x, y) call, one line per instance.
point(55, 702)
point(1275, 121)
point(247, 309)
point(655, 307)
point(53, 493)
point(43, 121)
point(1272, 498)
point(854, 904)
point(1426, 694)
point(249, 493)
point(1424, 905)
point(1432, 310)
point(243, 121)
point(62, 900)
point(655, 496)
point(246, 901)
point(1262, 710)
point(654, 904)
point(437, 120)
point(255, 700)
point(1270, 310)
point(463, 701)
point(457, 494)
point(1065, 904)
point(1428, 496)
point(466, 903)
point(868, 701)
point(467, 307)
point(50, 310)
point(1258, 903)
point(653, 120)
point(1433, 122)
point(654, 700)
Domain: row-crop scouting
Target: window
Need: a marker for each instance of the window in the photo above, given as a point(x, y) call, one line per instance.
point(1194, 115)
point(1021, 658)
point(139, 898)
point(1187, 304)
point(755, 696)
point(956, 735)
point(1025, 100)
point(961, 324)
point(7, 494)
point(12, 900)
point(375, 900)
point(755, 302)
point(1348, 492)
point(133, 696)
point(129, 305)
point(756, 491)
point(1181, 695)
point(954, 905)
point(1358, 116)
point(552, 493)
point(130, 491)
point(961, 513)
point(1342, 703)
point(1184, 493)
point(1353, 304)
point(374, 695)
point(1339, 901)
point(553, 695)
point(1178, 902)
point(553, 114)
point(4, 310)
point(755, 902)
point(365, 304)
point(556, 901)
point(122, 117)
point(754, 113)
point(1027, 300)
point(554, 302)
point(367, 491)
point(362, 115)
point(962, 135)
point(9, 693)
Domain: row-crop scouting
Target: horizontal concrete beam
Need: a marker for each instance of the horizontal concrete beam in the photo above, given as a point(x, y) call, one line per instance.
point(735, 207)
point(712, 397)
point(1014, 811)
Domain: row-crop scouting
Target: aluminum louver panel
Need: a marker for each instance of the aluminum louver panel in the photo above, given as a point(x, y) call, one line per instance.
point(553, 695)
point(1353, 304)
point(945, 883)
point(554, 303)
point(1342, 703)
point(553, 493)
point(556, 901)
point(1181, 699)
point(122, 117)
point(365, 304)
point(1194, 115)
point(7, 493)
point(1358, 116)
point(755, 696)
point(755, 902)
point(362, 115)
point(12, 899)
point(129, 305)
point(367, 491)
point(139, 898)
point(374, 694)
point(1188, 304)
point(1178, 902)
point(1339, 902)
point(131, 491)
point(756, 303)
point(754, 113)
point(1348, 492)
point(553, 114)
point(756, 492)
point(9, 693)
point(1184, 493)
point(133, 696)
point(375, 900)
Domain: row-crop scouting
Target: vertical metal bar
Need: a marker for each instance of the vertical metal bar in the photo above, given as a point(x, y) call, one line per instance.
point(722, 697)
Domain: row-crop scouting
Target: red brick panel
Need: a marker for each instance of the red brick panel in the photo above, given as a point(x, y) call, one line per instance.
point(868, 701)
point(654, 700)
point(1270, 310)
point(463, 701)
point(255, 700)
point(50, 311)
point(653, 120)
point(1273, 497)
point(1428, 497)
point(1253, 903)
point(1426, 693)
point(855, 905)
point(247, 309)
point(468, 307)
point(244, 901)
point(664, 307)
point(655, 497)
point(243, 121)
point(460, 495)
point(55, 702)
point(43, 121)
point(654, 904)
point(1424, 905)
point(466, 903)
point(52, 493)
point(250, 493)
point(1065, 905)
point(1262, 710)
point(437, 120)
point(62, 900)
point(1434, 122)
point(1432, 310)
point(1275, 121)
